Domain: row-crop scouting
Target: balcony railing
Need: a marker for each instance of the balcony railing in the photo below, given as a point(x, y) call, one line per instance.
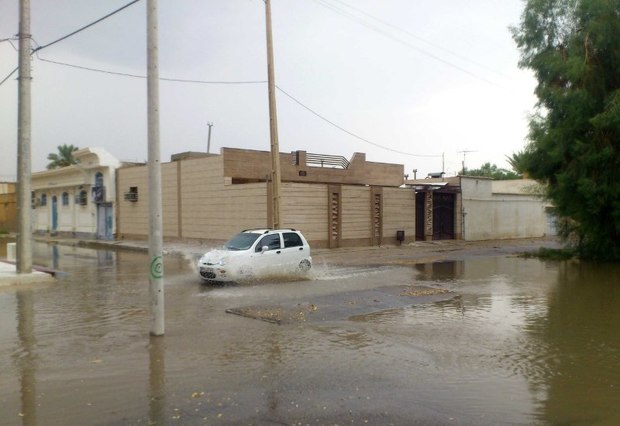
point(324, 160)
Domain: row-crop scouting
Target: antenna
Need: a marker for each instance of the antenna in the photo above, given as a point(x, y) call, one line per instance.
point(464, 152)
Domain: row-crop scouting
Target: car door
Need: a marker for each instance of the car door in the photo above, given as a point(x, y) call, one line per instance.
point(267, 260)
point(294, 251)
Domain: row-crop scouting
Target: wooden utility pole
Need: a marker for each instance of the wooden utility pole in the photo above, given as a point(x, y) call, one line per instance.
point(156, 261)
point(24, 225)
point(273, 123)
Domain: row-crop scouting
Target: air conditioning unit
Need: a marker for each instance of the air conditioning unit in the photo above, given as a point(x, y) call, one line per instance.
point(131, 196)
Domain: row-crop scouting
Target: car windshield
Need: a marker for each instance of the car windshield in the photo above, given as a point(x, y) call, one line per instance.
point(242, 241)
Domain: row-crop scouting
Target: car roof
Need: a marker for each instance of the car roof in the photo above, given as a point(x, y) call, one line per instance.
point(267, 230)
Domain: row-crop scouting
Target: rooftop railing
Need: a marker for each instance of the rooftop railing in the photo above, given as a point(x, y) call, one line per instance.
point(324, 160)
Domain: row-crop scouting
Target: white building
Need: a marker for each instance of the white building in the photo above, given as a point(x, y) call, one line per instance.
point(77, 200)
point(497, 209)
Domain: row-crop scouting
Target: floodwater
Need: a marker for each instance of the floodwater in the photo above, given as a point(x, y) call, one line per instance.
point(528, 342)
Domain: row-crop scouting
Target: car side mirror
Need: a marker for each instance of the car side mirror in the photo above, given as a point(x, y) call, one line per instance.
point(264, 248)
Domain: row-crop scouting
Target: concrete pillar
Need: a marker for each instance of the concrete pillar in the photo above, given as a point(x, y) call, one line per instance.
point(428, 216)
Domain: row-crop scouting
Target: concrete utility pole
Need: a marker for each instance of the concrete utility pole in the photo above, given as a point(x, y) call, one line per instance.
point(273, 123)
point(24, 227)
point(210, 124)
point(156, 261)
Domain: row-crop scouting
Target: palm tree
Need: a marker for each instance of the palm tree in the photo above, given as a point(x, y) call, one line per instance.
point(518, 161)
point(63, 158)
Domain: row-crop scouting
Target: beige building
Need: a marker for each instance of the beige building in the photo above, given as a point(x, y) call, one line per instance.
point(333, 201)
point(8, 207)
point(77, 200)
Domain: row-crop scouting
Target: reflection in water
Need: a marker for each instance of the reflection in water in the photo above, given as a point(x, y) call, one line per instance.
point(157, 380)
point(581, 345)
point(26, 357)
point(440, 271)
point(55, 256)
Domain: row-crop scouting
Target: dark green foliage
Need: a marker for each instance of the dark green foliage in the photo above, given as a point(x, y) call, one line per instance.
point(492, 171)
point(573, 47)
point(63, 158)
point(551, 254)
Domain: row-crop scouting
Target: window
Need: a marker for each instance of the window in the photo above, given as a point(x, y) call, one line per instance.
point(65, 199)
point(44, 199)
point(81, 198)
point(271, 241)
point(291, 239)
point(98, 179)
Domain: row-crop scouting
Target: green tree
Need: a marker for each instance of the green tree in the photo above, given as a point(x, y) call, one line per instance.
point(63, 158)
point(518, 162)
point(492, 171)
point(573, 48)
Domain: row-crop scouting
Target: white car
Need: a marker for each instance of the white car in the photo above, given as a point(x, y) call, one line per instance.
point(255, 253)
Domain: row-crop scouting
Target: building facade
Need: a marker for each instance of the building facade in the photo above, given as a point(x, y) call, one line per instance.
point(8, 207)
point(499, 209)
point(77, 200)
point(478, 208)
point(333, 201)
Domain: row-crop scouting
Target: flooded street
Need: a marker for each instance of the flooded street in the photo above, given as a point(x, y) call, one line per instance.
point(525, 342)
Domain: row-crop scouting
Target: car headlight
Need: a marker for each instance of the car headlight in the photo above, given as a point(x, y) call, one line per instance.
point(223, 261)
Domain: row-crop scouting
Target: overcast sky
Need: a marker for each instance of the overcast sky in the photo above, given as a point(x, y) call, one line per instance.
point(411, 80)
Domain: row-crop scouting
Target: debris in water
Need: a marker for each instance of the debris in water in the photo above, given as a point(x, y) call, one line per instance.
point(415, 291)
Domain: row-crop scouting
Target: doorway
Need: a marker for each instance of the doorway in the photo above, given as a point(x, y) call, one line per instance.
point(443, 216)
point(105, 222)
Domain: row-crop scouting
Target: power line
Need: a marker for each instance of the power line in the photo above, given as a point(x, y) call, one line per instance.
point(415, 36)
point(379, 30)
point(67, 36)
point(351, 133)
point(8, 76)
point(123, 74)
point(86, 26)
point(178, 80)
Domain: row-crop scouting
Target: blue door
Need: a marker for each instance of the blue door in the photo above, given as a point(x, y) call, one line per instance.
point(105, 221)
point(54, 213)
point(108, 222)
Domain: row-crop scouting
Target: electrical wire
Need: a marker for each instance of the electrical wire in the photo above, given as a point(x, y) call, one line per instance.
point(123, 74)
point(9, 40)
point(8, 76)
point(86, 26)
point(410, 34)
point(297, 101)
point(353, 134)
point(379, 30)
point(39, 47)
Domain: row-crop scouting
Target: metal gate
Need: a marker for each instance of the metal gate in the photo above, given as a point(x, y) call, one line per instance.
point(443, 216)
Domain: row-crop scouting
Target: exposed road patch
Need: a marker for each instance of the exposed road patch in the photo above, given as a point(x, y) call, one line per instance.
point(342, 306)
